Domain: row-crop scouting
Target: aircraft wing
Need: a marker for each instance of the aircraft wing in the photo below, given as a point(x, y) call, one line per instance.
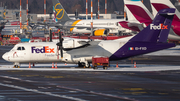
point(90, 42)
point(84, 44)
point(51, 24)
point(70, 26)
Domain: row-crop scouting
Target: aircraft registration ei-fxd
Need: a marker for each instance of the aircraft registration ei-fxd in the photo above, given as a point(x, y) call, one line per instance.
point(150, 39)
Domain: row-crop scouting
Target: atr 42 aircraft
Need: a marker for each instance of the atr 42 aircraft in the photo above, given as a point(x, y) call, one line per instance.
point(150, 39)
point(100, 26)
point(137, 12)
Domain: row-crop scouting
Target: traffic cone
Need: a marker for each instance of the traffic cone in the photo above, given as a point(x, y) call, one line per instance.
point(56, 65)
point(135, 65)
point(29, 65)
point(65, 64)
point(117, 65)
point(52, 64)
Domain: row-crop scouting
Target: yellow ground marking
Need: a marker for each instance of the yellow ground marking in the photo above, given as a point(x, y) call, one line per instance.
point(53, 77)
point(132, 89)
point(15, 71)
point(163, 93)
point(135, 93)
point(29, 75)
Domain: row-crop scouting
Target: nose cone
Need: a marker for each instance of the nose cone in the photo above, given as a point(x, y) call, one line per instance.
point(5, 56)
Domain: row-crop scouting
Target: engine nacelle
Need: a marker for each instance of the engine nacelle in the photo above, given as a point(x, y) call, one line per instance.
point(101, 32)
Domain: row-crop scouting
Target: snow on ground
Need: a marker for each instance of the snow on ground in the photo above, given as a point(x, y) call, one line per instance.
point(73, 67)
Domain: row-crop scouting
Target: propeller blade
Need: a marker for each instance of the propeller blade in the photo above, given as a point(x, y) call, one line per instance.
point(50, 36)
point(57, 52)
point(61, 53)
point(60, 37)
point(60, 43)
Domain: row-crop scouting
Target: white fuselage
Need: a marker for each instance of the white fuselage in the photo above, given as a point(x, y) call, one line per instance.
point(111, 24)
point(49, 51)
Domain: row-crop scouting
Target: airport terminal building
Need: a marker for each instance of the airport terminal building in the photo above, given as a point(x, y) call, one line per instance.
point(14, 14)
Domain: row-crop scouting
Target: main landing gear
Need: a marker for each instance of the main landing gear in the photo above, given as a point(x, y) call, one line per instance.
point(84, 64)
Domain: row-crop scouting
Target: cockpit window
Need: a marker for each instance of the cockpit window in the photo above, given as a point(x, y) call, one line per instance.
point(23, 48)
point(19, 48)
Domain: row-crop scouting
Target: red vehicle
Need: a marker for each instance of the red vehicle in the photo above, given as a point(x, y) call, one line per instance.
point(100, 61)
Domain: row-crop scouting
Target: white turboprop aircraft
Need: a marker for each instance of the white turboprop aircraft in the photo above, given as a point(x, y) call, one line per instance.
point(150, 39)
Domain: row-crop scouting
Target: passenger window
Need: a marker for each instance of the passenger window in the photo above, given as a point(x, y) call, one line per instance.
point(23, 48)
point(19, 48)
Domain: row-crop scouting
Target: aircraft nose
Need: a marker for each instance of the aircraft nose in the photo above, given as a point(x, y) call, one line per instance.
point(5, 56)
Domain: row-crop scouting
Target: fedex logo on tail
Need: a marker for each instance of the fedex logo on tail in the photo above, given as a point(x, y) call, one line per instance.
point(45, 49)
point(158, 27)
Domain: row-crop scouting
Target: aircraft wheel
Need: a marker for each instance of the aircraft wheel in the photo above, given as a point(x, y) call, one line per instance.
point(88, 66)
point(16, 66)
point(95, 67)
point(80, 64)
point(104, 67)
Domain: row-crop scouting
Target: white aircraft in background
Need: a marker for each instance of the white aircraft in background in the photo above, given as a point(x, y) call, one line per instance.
point(138, 13)
point(100, 26)
point(150, 39)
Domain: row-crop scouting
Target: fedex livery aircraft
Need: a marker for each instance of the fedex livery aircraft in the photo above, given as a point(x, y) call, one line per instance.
point(82, 51)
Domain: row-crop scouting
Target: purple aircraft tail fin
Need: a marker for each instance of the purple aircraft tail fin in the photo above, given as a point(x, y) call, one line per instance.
point(158, 30)
point(150, 39)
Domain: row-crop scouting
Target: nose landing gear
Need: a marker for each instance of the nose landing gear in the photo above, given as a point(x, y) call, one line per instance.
point(16, 65)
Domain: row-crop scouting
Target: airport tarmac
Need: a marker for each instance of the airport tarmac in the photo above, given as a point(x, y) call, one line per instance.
point(44, 84)
point(147, 82)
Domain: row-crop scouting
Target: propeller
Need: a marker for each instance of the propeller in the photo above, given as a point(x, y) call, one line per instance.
point(60, 44)
point(50, 36)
